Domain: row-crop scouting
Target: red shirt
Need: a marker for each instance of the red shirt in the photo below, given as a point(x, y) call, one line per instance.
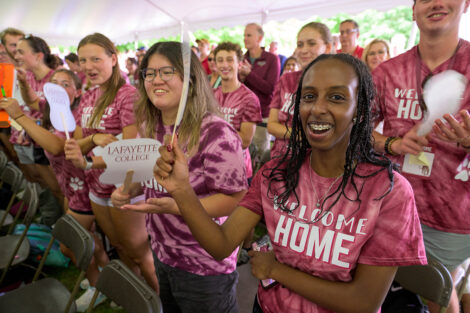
point(357, 52)
point(205, 65)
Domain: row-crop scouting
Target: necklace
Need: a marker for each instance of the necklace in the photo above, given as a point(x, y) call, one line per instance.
point(321, 199)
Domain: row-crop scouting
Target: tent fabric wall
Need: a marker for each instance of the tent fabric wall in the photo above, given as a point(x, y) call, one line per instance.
point(65, 22)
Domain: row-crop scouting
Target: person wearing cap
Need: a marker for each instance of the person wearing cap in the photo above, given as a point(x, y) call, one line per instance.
point(204, 51)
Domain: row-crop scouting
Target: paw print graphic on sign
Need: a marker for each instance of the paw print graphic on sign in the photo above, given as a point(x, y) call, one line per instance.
point(463, 171)
point(76, 183)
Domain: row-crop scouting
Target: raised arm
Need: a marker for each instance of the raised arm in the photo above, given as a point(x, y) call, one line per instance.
point(27, 93)
point(218, 240)
point(48, 141)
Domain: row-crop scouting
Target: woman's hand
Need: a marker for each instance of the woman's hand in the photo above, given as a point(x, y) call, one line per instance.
point(454, 131)
point(262, 263)
point(171, 170)
point(154, 205)
point(11, 106)
point(410, 143)
point(119, 198)
point(21, 75)
point(103, 140)
point(74, 154)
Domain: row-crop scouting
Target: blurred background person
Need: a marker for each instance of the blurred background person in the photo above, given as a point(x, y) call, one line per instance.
point(291, 65)
point(375, 53)
point(348, 36)
point(214, 76)
point(204, 51)
point(273, 47)
point(132, 71)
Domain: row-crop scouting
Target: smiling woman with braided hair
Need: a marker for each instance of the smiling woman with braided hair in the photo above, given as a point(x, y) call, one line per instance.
point(339, 217)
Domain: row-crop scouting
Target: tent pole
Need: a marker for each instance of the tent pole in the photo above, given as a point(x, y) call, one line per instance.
point(412, 38)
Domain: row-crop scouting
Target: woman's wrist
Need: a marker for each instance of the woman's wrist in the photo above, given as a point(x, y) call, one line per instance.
point(19, 116)
point(88, 162)
point(388, 145)
point(93, 139)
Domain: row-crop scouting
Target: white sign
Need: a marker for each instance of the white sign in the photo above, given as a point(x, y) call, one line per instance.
point(138, 155)
point(61, 116)
point(443, 94)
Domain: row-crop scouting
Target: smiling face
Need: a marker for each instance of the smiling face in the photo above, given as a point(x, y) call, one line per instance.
point(11, 43)
point(291, 66)
point(227, 64)
point(439, 16)
point(96, 63)
point(64, 80)
point(377, 54)
point(328, 104)
point(25, 57)
point(310, 45)
point(164, 95)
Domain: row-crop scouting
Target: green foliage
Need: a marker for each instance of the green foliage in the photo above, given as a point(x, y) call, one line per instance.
point(373, 24)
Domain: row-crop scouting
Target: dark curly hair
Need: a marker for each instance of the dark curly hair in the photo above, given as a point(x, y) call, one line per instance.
point(360, 149)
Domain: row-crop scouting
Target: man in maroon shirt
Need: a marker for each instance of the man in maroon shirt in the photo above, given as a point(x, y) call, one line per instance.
point(348, 36)
point(259, 71)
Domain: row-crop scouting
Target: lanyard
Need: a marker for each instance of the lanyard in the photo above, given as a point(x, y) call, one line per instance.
point(419, 84)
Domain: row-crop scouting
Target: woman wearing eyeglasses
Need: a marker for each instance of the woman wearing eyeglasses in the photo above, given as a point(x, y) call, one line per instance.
point(106, 111)
point(190, 279)
point(214, 78)
point(376, 52)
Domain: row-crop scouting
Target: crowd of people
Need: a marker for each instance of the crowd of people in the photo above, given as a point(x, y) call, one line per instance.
point(344, 203)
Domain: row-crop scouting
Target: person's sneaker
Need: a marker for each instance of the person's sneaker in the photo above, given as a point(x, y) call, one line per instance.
point(84, 301)
point(113, 305)
point(84, 284)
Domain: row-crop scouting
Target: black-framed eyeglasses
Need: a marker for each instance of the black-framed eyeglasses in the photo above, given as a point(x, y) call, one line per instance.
point(166, 73)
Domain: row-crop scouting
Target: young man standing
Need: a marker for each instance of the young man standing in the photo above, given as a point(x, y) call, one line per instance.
point(440, 175)
point(348, 36)
point(239, 105)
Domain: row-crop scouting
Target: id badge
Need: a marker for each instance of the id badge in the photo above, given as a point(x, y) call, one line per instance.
point(420, 165)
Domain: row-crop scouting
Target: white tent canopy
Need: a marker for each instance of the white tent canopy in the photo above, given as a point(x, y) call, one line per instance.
point(65, 22)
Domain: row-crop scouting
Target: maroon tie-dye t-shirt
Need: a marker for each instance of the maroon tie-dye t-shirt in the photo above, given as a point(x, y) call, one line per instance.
point(442, 188)
point(216, 167)
point(382, 232)
point(283, 96)
point(239, 106)
point(119, 114)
